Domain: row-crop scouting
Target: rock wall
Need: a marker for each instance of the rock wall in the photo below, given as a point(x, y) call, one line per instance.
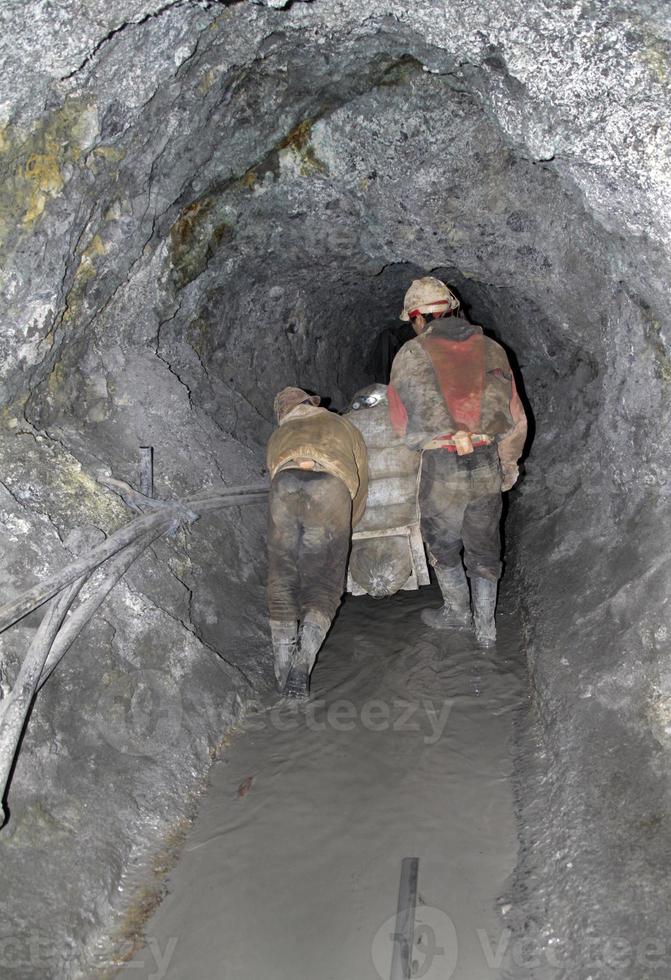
point(202, 202)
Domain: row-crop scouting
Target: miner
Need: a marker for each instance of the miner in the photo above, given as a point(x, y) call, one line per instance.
point(453, 396)
point(319, 483)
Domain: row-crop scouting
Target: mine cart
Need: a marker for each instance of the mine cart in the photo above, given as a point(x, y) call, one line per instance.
point(387, 549)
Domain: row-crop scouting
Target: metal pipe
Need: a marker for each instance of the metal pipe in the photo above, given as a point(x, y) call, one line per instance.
point(52, 640)
point(404, 934)
point(182, 511)
point(209, 493)
point(237, 500)
point(147, 471)
point(18, 701)
point(51, 643)
point(75, 623)
point(33, 597)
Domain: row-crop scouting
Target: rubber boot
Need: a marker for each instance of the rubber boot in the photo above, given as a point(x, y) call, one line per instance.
point(455, 613)
point(285, 647)
point(313, 629)
point(484, 607)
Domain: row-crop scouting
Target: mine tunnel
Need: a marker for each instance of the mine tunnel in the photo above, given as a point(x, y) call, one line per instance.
point(203, 202)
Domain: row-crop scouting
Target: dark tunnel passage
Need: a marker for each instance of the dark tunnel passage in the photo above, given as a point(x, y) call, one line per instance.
point(203, 202)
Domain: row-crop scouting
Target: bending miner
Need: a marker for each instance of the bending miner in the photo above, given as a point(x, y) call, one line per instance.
point(319, 484)
point(453, 396)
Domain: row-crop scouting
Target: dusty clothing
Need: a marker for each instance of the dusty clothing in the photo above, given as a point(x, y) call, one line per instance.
point(336, 446)
point(452, 378)
point(309, 526)
point(288, 398)
point(460, 503)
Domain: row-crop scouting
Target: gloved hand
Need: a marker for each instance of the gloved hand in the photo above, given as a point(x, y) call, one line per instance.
point(509, 475)
point(463, 442)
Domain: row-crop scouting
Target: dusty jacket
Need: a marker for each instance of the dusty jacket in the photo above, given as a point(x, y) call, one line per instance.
point(334, 443)
point(453, 378)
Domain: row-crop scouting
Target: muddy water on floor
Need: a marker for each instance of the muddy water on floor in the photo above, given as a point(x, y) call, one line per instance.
point(292, 867)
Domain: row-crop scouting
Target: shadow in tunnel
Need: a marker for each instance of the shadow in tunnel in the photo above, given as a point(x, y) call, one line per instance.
point(387, 345)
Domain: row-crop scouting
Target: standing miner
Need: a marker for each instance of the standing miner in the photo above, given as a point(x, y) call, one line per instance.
point(453, 395)
point(319, 483)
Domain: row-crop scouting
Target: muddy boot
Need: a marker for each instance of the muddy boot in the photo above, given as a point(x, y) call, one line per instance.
point(285, 648)
point(298, 682)
point(484, 606)
point(314, 628)
point(455, 614)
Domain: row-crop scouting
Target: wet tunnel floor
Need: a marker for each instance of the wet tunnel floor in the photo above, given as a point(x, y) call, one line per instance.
point(291, 869)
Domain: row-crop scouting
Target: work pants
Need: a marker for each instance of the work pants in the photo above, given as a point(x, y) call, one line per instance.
point(460, 506)
point(309, 531)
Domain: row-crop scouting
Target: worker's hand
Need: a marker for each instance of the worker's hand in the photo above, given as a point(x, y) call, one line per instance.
point(462, 440)
point(509, 475)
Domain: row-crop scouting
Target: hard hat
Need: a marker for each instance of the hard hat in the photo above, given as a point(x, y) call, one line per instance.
point(289, 398)
point(427, 295)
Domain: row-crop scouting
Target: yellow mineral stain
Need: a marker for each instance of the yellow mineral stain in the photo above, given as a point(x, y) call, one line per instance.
point(194, 238)
point(249, 180)
point(298, 143)
point(36, 161)
point(86, 270)
point(95, 247)
point(112, 153)
point(207, 81)
point(656, 60)
point(56, 378)
point(43, 173)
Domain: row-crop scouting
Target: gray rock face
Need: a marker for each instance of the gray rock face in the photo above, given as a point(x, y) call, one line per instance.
point(202, 202)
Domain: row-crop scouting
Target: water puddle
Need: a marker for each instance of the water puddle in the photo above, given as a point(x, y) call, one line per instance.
point(291, 870)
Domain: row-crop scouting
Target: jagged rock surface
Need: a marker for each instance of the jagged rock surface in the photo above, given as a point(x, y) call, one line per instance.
point(202, 202)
